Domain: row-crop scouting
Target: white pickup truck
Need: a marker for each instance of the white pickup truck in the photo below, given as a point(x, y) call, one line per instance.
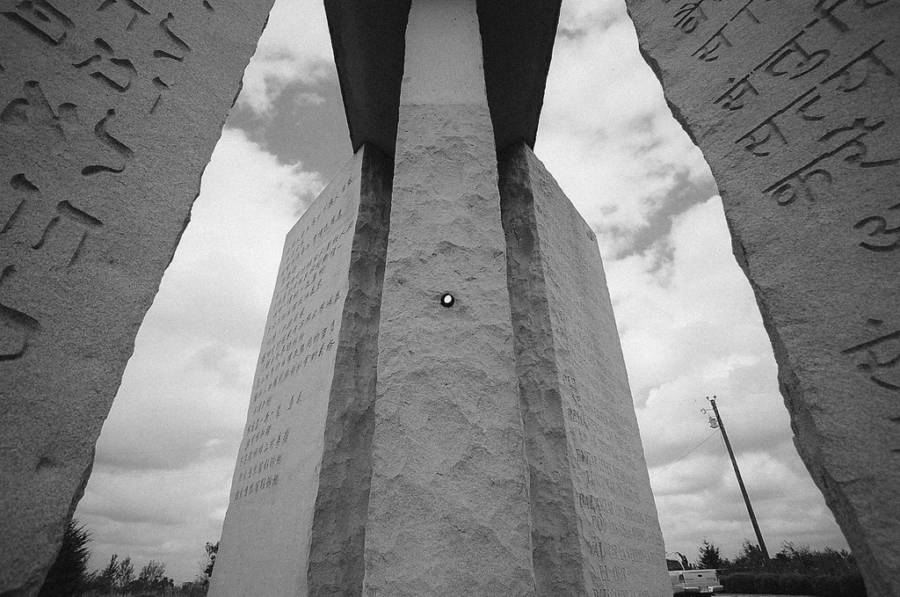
point(690, 581)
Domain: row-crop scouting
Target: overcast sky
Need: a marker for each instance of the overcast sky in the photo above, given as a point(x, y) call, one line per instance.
point(686, 314)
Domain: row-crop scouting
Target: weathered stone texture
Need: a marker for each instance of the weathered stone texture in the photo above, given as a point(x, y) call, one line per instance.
point(336, 559)
point(309, 422)
point(109, 112)
point(594, 525)
point(796, 106)
point(448, 510)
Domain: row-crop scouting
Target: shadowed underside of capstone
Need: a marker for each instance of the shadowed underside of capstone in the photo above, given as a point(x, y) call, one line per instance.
point(796, 106)
point(369, 47)
point(486, 445)
point(109, 112)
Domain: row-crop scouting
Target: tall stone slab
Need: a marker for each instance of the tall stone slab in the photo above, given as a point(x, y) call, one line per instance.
point(594, 524)
point(309, 420)
point(109, 111)
point(796, 106)
point(448, 510)
point(474, 432)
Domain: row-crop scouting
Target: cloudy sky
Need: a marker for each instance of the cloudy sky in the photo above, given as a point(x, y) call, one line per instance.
point(687, 317)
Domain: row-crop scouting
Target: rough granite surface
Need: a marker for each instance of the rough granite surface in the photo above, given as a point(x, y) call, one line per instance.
point(594, 523)
point(309, 420)
point(448, 509)
point(796, 106)
point(336, 558)
point(109, 112)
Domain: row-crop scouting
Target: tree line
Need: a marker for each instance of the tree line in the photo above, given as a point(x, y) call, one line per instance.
point(795, 570)
point(69, 575)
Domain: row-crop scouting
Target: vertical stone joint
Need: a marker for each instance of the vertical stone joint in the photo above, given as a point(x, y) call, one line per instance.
point(336, 562)
point(557, 558)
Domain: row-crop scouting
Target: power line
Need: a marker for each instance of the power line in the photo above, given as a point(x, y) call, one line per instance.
point(686, 454)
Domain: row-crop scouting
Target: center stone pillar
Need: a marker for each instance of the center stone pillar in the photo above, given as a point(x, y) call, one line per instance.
point(448, 508)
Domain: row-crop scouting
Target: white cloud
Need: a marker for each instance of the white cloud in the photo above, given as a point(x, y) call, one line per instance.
point(689, 285)
point(606, 132)
point(690, 329)
point(580, 16)
point(165, 457)
point(163, 516)
point(294, 48)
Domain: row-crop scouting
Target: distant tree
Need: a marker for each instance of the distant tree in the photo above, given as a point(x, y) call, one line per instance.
point(151, 580)
point(750, 556)
point(68, 576)
point(153, 573)
point(124, 574)
point(710, 556)
point(105, 581)
point(804, 559)
point(795, 571)
point(212, 550)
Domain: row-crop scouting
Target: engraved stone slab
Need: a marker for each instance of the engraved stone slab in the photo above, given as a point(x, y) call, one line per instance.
point(316, 364)
point(448, 511)
point(594, 523)
point(109, 111)
point(796, 106)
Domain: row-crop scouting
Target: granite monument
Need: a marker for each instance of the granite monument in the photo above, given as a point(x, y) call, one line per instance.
point(441, 405)
point(796, 107)
point(109, 111)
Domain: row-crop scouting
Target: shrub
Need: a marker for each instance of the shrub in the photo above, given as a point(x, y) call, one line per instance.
point(710, 556)
point(768, 583)
point(841, 584)
point(739, 582)
point(794, 583)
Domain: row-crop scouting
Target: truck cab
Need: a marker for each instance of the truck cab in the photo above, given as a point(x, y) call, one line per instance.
point(685, 581)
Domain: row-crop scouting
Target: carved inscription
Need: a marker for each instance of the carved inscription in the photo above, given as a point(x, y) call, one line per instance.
point(882, 232)
point(846, 144)
point(17, 327)
point(878, 357)
point(794, 59)
point(42, 232)
point(130, 5)
point(41, 19)
point(301, 334)
point(837, 119)
point(119, 69)
point(34, 231)
point(808, 109)
point(795, 106)
point(607, 487)
point(117, 73)
point(109, 111)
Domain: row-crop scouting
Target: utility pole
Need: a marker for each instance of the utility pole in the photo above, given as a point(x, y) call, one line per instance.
point(737, 472)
